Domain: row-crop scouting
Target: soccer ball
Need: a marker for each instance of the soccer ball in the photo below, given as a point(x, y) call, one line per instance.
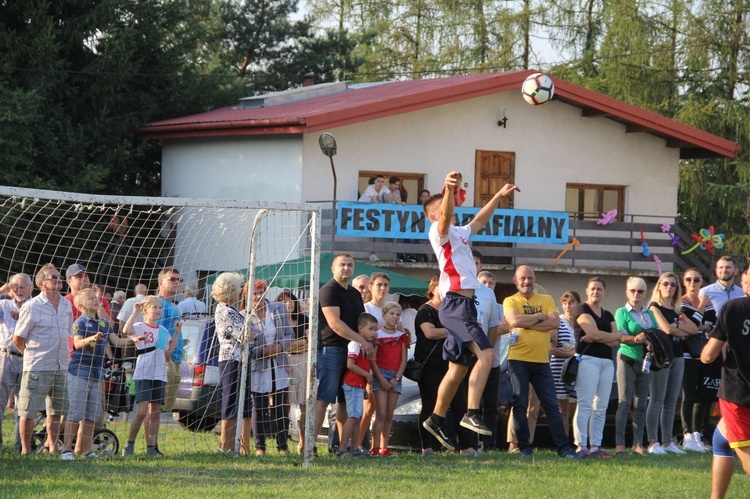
point(538, 89)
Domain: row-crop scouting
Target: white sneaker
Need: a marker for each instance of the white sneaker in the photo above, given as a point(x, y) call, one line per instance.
point(699, 446)
point(656, 450)
point(689, 443)
point(67, 456)
point(673, 449)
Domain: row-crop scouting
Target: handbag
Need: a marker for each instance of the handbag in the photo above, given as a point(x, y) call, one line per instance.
point(569, 371)
point(414, 367)
point(695, 344)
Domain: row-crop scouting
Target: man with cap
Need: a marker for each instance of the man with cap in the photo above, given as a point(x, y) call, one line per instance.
point(78, 279)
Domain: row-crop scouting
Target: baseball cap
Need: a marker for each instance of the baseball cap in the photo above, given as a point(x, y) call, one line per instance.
point(74, 270)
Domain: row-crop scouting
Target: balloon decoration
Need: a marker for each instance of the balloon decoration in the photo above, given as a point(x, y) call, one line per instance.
point(674, 239)
point(658, 264)
point(644, 245)
point(575, 242)
point(607, 218)
point(706, 239)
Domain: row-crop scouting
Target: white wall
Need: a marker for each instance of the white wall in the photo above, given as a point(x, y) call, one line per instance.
point(553, 143)
point(242, 168)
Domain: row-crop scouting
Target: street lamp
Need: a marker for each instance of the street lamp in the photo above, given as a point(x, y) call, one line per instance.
point(328, 146)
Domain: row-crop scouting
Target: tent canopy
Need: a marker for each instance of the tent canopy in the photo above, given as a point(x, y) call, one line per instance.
point(295, 274)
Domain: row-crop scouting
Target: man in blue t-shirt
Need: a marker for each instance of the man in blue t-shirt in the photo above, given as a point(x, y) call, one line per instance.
point(169, 285)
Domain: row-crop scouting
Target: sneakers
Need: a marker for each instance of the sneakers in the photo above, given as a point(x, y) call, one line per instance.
point(527, 452)
point(386, 453)
point(700, 446)
point(439, 432)
point(67, 456)
point(359, 453)
point(153, 451)
point(92, 455)
point(688, 443)
point(475, 424)
point(600, 454)
point(673, 449)
point(375, 451)
point(656, 450)
point(128, 450)
point(571, 454)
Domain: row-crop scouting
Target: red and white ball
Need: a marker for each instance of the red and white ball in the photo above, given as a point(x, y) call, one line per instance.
point(538, 89)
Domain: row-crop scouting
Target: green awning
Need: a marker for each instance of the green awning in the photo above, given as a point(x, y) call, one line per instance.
point(295, 274)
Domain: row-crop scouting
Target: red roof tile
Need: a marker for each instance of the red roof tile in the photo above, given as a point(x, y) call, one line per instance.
point(387, 99)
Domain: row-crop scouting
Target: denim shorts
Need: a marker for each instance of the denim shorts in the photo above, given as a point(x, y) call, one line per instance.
point(331, 370)
point(84, 398)
point(388, 375)
point(355, 399)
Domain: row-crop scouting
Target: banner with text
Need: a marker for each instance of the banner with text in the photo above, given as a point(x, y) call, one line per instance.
point(408, 222)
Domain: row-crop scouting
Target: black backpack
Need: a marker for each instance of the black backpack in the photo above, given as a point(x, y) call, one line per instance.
point(661, 348)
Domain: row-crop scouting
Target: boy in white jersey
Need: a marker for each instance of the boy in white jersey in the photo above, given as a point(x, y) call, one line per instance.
point(458, 313)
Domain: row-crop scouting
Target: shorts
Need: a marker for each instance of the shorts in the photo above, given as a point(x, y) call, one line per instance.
point(737, 420)
point(458, 314)
point(721, 446)
point(150, 390)
point(388, 375)
point(331, 370)
point(85, 398)
point(298, 387)
point(355, 399)
point(230, 388)
point(38, 386)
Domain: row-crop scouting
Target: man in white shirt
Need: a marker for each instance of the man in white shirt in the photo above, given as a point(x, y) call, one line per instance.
point(191, 307)
point(11, 361)
point(44, 324)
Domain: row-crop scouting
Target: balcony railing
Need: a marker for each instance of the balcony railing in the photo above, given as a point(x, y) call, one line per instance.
point(613, 248)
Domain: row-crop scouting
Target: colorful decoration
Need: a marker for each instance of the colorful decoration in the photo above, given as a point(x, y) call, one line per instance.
point(674, 239)
point(644, 245)
point(575, 242)
point(607, 218)
point(707, 240)
point(658, 264)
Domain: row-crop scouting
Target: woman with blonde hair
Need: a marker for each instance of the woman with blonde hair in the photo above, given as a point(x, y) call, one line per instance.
point(229, 325)
point(632, 382)
point(666, 384)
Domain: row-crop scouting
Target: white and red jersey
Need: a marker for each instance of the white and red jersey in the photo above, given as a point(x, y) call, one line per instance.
point(457, 267)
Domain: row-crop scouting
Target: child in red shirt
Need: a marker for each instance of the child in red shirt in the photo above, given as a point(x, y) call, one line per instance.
point(355, 380)
point(388, 366)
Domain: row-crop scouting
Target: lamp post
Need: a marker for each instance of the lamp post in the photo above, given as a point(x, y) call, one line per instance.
point(328, 146)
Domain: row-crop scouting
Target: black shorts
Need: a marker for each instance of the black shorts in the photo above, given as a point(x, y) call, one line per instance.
point(458, 314)
point(149, 390)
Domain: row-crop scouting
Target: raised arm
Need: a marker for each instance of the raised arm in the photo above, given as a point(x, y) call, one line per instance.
point(481, 219)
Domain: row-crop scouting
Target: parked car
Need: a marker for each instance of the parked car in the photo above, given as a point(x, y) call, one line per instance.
point(198, 404)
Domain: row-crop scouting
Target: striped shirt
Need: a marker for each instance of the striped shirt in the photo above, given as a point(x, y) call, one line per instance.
point(457, 267)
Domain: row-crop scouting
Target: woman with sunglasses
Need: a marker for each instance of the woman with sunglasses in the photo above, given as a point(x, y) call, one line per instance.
point(695, 411)
point(632, 382)
point(666, 384)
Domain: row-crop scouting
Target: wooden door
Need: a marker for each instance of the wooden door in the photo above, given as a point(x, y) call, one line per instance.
point(492, 170)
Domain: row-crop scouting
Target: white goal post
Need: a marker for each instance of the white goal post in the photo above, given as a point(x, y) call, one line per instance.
point(123, 241)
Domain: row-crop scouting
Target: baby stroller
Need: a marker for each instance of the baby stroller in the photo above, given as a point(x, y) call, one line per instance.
point(105, 442)
point(116, 398)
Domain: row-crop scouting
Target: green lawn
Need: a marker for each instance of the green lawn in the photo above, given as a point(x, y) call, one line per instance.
point(193, 469)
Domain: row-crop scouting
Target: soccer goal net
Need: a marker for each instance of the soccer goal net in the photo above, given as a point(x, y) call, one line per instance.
point(126, 249)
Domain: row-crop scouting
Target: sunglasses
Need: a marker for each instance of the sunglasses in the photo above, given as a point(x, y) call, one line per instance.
point(638, 291)
point(53, 278)
point(693, 279)
point(669, 284)
point(175, 279)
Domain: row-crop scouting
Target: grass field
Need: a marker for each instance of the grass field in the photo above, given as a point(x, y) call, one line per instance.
point(193, 469)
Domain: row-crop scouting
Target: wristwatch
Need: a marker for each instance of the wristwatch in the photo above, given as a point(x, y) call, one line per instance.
point(539, 318)
point(398, 378)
